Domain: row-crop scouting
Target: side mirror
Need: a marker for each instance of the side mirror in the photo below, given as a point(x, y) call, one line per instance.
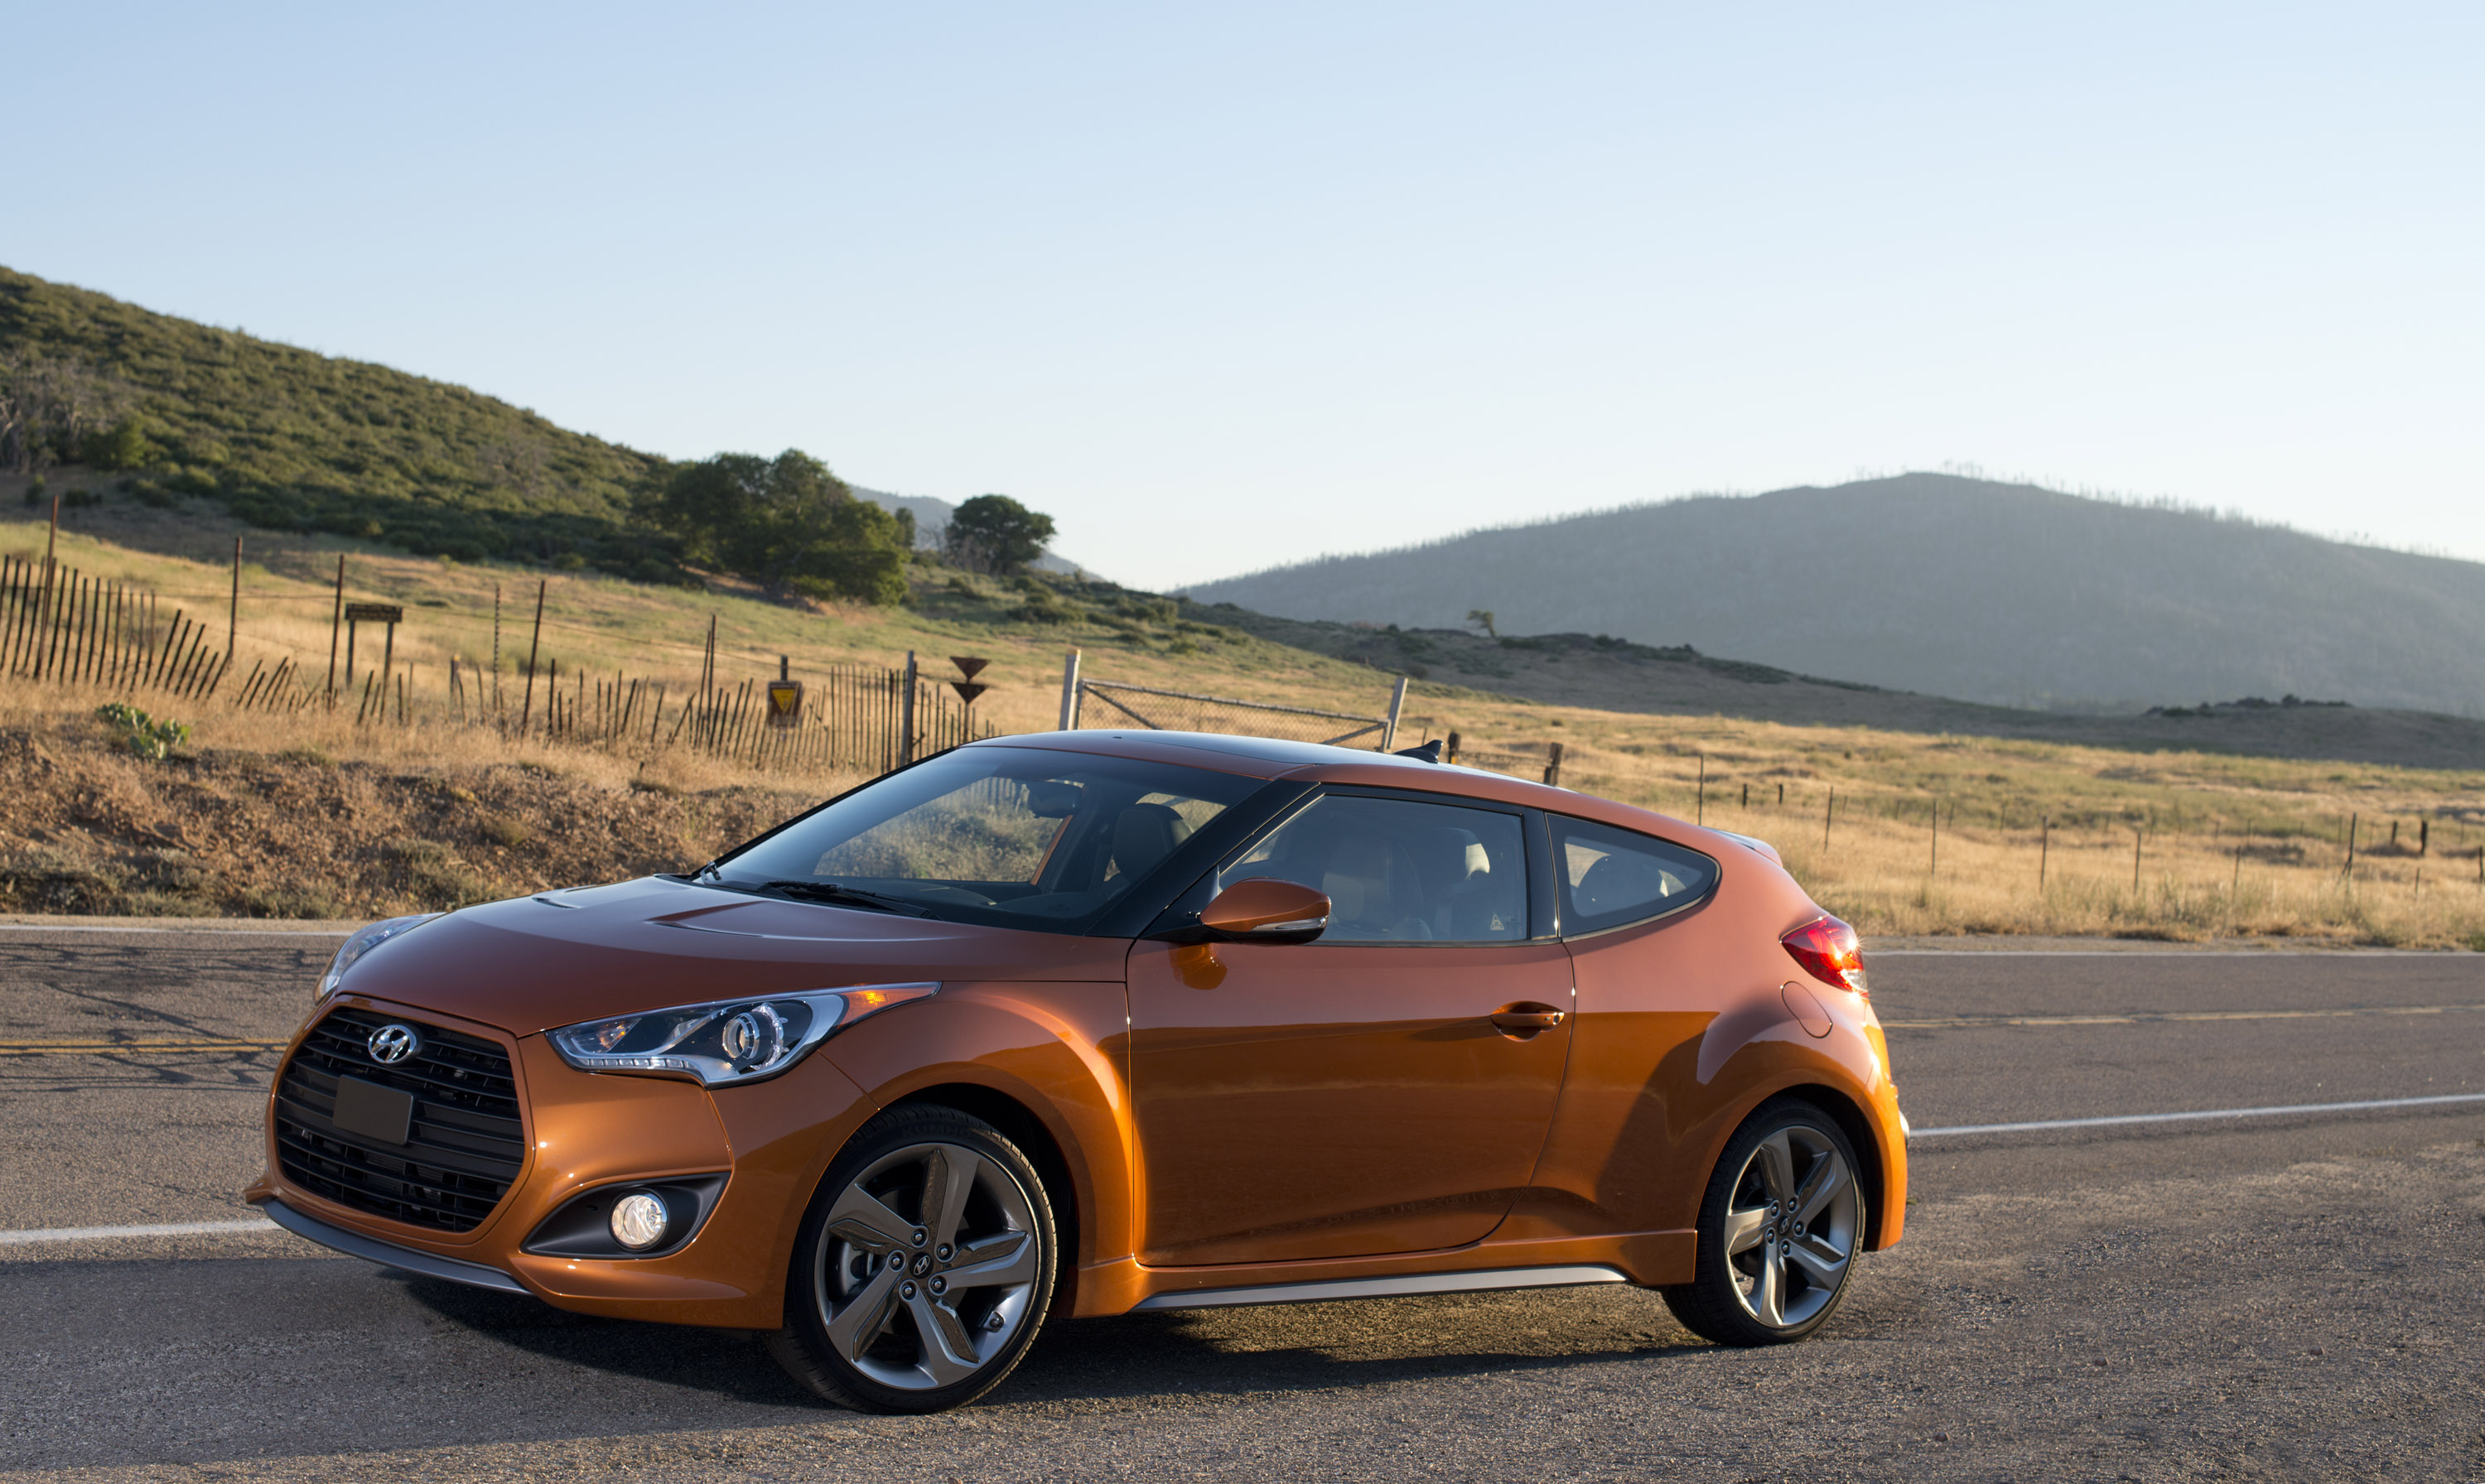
point(1267, 911)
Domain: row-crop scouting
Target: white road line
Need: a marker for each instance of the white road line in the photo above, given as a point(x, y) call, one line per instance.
point(245, 932)
point(2162, 953)
point(100, 1233)
point(2185, 1118)
point(2151, 1016)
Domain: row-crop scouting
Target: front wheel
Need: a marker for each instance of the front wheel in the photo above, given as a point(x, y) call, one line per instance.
point(922, 1269)
point(1779, 1230)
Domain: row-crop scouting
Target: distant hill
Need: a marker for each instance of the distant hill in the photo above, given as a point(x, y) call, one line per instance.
point(1999, 593)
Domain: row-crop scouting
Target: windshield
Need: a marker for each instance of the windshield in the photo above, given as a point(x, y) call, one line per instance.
point(1018, 837)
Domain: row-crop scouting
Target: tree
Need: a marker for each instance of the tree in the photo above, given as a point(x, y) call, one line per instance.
point(1482, 618)
point(996, 534)
point(787, 522)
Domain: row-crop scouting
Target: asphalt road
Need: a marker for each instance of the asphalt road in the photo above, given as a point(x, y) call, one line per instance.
point(2293, 1297)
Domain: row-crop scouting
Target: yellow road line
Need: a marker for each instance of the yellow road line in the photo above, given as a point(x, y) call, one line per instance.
point(2149, 1017)
point(91, 1047)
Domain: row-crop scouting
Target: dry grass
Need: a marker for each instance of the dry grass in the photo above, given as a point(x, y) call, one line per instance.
point(2193, 810)
point(2228, 846)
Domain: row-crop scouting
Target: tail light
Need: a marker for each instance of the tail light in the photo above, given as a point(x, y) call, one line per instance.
point(1829, 952)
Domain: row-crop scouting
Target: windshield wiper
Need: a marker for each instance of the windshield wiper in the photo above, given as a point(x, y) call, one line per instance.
point(833, 894)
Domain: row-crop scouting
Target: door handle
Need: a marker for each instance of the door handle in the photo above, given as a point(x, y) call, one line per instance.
point(1525, 1019)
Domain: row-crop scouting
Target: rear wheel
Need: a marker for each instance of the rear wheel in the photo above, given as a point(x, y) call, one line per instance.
point(1779, 1230)
point(922, 1269)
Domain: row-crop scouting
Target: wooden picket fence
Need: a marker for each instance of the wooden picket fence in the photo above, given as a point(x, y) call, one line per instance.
point(58, 624)
point(61, 625)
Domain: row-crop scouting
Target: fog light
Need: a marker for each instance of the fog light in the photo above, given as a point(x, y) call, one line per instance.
point(638, 1220)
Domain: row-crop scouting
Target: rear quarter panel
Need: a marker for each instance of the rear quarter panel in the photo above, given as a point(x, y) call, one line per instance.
point(1682, 1031)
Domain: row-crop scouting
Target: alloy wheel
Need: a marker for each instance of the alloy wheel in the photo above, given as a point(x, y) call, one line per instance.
point(1791, 1227)
point(927, 1265)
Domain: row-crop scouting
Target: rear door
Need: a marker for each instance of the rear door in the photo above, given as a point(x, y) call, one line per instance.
point(1353, 1095)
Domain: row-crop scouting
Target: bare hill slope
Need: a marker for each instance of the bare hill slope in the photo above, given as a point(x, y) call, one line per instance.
point(1999, 593)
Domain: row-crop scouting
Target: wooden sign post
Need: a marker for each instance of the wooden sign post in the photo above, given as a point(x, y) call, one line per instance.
point(784, 696)
point(969, 666)
point(357, 613)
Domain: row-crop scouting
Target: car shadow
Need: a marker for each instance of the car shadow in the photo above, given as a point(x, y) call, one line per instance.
point(1297, 1348)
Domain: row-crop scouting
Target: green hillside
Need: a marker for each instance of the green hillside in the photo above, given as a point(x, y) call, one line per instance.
point(290, 440)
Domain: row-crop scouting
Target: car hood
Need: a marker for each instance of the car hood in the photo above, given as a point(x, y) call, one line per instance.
point(532, 963)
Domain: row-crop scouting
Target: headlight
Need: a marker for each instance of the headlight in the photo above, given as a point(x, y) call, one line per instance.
point(725, 1040)
point(363, 942)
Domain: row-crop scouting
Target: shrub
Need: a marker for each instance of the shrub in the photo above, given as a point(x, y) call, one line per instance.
point(121, 445)
point(433, 875)
point(502, 830)
point(142, 734)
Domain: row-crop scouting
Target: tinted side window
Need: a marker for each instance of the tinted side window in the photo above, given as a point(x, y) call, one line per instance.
point(1612, 877)
point(1398, 871)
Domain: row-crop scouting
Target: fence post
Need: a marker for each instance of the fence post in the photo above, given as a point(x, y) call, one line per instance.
point(1452, 755)
point(336, 626)
point(906, 715)
point(526, 713)
point(1553, 764)
point(2044, 847)
point(232, 616)
point(1396, 705)
point(1828, 811)
point(1070, 691)
point(1699, 800)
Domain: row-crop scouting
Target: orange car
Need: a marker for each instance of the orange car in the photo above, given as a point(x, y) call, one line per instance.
point(1096, 1023)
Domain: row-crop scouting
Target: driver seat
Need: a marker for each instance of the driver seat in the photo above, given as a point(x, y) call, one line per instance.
point(1143, 836)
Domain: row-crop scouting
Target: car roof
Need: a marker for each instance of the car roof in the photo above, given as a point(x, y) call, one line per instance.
point(1271, 757)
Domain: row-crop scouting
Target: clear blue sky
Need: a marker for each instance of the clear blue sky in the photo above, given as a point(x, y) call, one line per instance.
point(1225, 285)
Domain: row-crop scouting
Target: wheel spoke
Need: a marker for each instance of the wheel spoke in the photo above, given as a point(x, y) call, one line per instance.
point(949, 1351)
point(1826, 1178)
point(1006, 1258)
point(1821, 1263)
point(1775, 1159)
point(1743, 1229)
point(1768, 1287)
point(853, 1328)
point(949, 1178)
point(862, 1219)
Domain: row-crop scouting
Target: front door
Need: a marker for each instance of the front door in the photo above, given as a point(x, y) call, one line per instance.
point(1352, 1095)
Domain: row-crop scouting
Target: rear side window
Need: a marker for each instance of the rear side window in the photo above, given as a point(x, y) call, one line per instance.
point(1611, 878)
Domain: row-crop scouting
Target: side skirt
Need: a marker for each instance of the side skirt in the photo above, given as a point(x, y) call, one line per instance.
point(1399, 1286)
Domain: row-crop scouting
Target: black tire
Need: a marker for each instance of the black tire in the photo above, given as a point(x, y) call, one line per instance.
point(888, 1287)
point(1761, 1222)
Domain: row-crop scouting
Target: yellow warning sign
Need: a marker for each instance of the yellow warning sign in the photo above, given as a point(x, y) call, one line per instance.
point(784, 702)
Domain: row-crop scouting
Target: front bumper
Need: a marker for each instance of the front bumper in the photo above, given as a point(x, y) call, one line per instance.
point(585, 1130)
point(353, 1244)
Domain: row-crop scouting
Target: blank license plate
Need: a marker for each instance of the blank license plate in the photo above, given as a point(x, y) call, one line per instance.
point(373, 1110)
